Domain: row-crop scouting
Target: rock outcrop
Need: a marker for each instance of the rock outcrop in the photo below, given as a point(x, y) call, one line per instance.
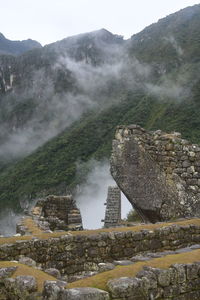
point(158, 172)
point(57, 213)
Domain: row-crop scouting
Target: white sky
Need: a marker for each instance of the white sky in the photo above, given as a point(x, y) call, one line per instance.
point(50, 20)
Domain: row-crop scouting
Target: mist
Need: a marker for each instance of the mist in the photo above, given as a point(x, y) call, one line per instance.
point(91, 195)
point(173, 42)
point(8, 221)
point(51, 111)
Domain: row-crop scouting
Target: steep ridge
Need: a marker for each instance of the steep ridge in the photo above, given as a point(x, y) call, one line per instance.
point(16, 47)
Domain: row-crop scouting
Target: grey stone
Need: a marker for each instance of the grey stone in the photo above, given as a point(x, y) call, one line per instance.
point(54, 272)
point(7, 272)
point(140, 258)
point(27, 261)
point(192, 271)
point(180, 272)
point(105, 267)
point(27, 283)
point(183, 250)
point(196, 246)
point(122, 262)
point(124, 287)
point(84, 294)
point(52, 289)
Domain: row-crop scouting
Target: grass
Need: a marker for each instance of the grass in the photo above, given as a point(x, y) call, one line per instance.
point(31, 226)
point(41, 235)
point(100, 280)
point(26, 270)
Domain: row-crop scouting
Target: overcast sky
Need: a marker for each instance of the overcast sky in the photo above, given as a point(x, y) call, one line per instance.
point(50, 20)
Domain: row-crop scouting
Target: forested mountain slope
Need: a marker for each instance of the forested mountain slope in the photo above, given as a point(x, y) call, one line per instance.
point(79, 89)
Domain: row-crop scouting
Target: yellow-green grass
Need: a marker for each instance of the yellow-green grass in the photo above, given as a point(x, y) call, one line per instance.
point(10, 240)
point(100, 280)
point(26, 270)
point(31, 226)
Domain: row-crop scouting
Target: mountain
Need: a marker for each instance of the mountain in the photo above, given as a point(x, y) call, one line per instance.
point(45, 90)
point(60, 104)
point(16, 47)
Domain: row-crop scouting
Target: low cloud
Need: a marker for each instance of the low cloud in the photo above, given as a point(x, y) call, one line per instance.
point(168, 90)
point(92, 195)
point(8, 221)
point(173, 42)
point(47, 112)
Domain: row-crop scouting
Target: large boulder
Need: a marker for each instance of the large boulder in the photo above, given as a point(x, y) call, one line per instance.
point(158, 172)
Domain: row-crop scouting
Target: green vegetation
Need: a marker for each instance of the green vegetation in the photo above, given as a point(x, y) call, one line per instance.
point(133, 216)
point(52, 168)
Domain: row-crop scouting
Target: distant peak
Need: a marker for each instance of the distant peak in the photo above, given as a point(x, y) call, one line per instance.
point(102, 32)
point(2, 36)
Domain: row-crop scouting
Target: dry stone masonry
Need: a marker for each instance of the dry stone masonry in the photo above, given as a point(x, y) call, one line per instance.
point(158, 172)
point(76, 254)
point(57, 213)
point(113, 207)
point(177, 282)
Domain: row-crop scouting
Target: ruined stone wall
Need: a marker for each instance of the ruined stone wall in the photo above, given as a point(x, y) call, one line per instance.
point(73, 254)
point(113, 207)
point(158, 172)
point(57, 213)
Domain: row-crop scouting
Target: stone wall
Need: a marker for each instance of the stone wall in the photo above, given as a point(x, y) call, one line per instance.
point(57, 213)
point(74, 254)
point(113, 207)
point(179, 282)
point(158, 172)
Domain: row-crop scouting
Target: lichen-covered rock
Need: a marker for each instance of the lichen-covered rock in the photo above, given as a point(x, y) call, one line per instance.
point(84, 294)
point(27, 261)
point(20, 287)
point(52, 289)
point(105, 267)
point(27, 283)
point(124, 288)
point(54, 272)
point(158, 172)
point(7, 272)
